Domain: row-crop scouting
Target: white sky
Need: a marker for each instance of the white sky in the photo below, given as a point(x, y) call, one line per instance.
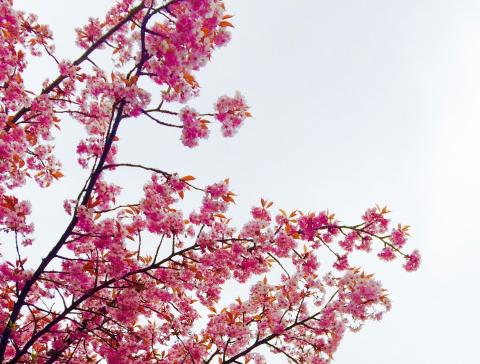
point(355, 102)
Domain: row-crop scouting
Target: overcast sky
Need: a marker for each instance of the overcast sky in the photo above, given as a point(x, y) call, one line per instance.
point(354, 103)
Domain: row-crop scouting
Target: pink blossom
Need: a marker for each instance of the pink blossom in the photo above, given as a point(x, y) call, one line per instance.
point(398, 238)
point(342, 263)
point(387, 254)
point(193, 127)
point(413, 261)
point(231, 112)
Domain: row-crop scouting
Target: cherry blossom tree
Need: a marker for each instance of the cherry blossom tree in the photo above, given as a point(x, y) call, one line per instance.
point(104, 294)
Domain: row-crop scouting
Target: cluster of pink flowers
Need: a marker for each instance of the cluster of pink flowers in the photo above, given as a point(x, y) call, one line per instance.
point(193, 127)
point(309, 225)
point(21, 35)
point(160, 218)
point(231, 112)
point(101, 92)
point(214, 202)
point(413, 261)
point(387, 254)
point(68, 69)
point(185, 45)
point(13, 215)
point(87, 35)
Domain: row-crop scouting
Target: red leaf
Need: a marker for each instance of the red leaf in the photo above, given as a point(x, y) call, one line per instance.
point(57, 174)
point(187, 178)
point(225, 24)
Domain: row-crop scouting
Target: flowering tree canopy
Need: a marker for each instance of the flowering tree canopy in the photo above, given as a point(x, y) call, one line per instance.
point(101, 293)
